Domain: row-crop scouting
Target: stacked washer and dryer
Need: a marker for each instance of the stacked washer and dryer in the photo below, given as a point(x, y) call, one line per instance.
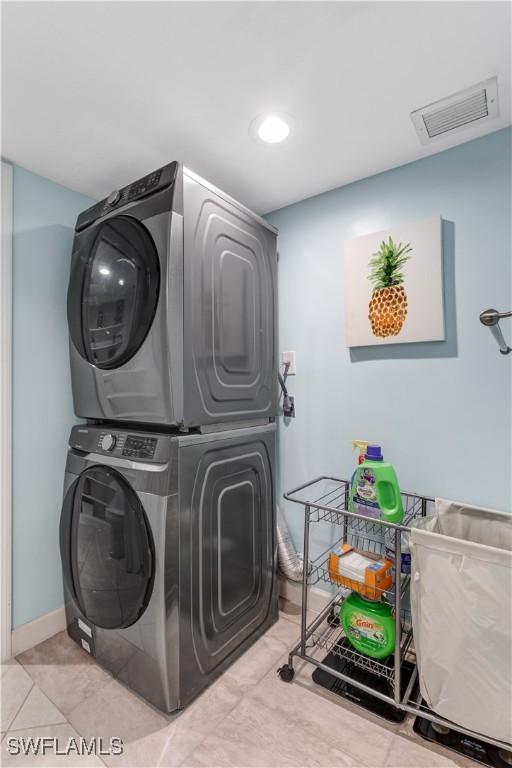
point(168, 532)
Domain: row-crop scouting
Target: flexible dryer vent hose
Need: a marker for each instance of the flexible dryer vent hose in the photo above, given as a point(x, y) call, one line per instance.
point(290, 562)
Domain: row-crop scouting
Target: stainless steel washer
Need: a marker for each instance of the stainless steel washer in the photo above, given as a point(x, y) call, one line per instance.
point(168, 552)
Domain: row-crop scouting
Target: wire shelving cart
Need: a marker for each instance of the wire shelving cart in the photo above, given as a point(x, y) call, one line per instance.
point(326, 502)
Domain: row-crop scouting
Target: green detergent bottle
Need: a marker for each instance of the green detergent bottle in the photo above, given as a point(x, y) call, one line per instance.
point(368, 625)
point(374, 489)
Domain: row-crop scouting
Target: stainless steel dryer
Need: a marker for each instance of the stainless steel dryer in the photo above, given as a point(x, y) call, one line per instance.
point(172, 306)
point(168, 552)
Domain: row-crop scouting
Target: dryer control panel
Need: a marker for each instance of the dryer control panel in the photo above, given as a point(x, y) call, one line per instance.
point(159, 179)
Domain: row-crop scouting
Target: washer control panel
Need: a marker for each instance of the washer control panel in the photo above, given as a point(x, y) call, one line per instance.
point(109, 441)
point(140, 447)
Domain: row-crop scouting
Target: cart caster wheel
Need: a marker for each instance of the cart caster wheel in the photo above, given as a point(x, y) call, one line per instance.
point(333, 619)
point(286, 673)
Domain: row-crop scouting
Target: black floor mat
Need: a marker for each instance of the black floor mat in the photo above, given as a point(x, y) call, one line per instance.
point(351, 692)
point(464, 745)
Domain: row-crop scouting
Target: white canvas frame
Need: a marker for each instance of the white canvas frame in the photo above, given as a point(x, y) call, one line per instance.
point(423, 284)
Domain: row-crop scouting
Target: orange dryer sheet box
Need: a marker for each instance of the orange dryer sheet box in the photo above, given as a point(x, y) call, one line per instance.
point(362, 572)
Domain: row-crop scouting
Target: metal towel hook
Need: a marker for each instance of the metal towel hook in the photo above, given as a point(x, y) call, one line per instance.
point(491, 318)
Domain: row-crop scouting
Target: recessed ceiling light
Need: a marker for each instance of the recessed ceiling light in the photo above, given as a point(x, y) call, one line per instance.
point(271, 129)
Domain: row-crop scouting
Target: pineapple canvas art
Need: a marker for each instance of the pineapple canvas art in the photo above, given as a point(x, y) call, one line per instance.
point(388, 302)
point(394, 285)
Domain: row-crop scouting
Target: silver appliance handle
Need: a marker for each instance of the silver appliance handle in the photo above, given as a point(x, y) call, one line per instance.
point(491, 318)
point(114, 461)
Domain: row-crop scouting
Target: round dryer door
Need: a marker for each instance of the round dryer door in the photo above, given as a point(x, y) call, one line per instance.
point(106, 548)
point(113, 292)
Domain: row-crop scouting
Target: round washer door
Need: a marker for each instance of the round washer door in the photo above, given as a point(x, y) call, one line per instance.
point(106, 548)
point(113, 292)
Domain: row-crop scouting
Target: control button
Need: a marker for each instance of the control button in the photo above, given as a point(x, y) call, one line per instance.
point(108, 443)
point(114, 197)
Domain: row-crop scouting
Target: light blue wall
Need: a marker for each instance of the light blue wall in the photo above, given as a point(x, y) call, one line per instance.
point(44, 218)
point(442, 411)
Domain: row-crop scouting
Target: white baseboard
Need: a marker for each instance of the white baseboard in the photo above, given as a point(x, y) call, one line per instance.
point(292, 591)
point(34, 632)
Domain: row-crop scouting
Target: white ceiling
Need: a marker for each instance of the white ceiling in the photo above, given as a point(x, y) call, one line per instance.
point(97, 94)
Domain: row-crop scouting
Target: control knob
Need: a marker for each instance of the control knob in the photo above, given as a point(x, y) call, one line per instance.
point(114, 197)
point(108, 442)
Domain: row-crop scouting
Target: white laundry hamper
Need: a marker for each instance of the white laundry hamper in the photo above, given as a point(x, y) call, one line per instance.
point(461, 599)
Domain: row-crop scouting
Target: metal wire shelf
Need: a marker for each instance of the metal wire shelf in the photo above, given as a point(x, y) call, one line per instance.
point(319, 572)
point(332, 507)
point(363, 533)
point(329, 639)
point(326, 499)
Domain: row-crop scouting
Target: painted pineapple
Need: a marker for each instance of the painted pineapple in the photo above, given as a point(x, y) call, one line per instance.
point(388, 303)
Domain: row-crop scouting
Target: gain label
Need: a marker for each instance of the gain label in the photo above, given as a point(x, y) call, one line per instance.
point(361, 626)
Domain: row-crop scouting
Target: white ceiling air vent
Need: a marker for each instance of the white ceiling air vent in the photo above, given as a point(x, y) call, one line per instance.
point(474, 105)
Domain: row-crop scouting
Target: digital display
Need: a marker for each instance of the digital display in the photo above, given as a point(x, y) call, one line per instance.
point(145, 184)
point(140, 447)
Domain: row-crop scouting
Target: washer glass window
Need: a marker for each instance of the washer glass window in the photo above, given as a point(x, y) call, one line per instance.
point(110, 549)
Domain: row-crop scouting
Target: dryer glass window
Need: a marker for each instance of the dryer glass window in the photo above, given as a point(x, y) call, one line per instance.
point(120, 292)
point(111, 554)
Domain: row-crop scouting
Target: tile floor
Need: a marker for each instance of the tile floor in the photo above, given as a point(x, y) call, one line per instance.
point(246, 718)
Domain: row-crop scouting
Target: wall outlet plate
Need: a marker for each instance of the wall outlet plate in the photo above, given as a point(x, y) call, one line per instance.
point(289, 357)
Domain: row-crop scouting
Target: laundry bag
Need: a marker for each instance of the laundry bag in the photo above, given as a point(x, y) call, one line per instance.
point(461, 598)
